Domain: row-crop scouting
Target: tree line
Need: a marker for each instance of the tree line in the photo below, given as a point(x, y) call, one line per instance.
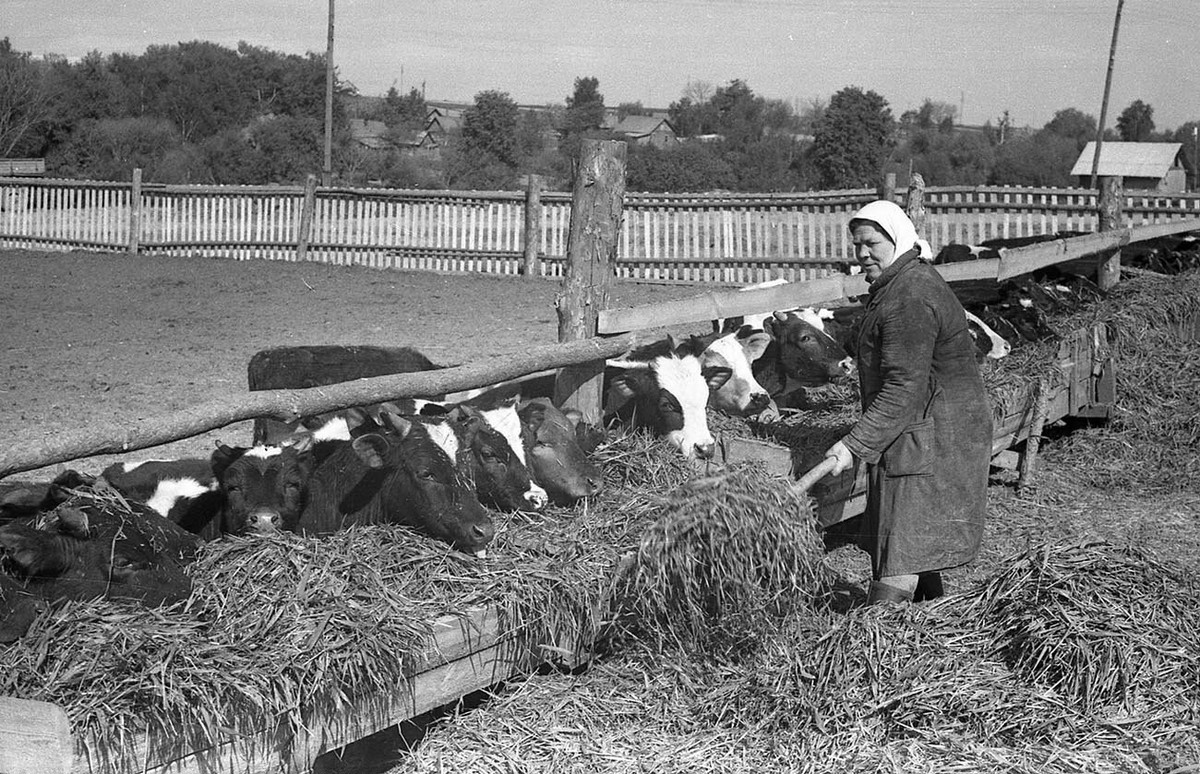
point(200, 112)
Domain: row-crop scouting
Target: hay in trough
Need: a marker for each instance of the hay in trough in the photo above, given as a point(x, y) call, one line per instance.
point(283, 627)
point(1152, 438)
point(726, 559)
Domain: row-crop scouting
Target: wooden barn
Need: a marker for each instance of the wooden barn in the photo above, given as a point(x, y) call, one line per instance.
point(1146, 166)
point(647, 130)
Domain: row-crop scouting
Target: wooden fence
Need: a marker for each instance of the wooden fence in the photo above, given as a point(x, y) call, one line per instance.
point(733, 238)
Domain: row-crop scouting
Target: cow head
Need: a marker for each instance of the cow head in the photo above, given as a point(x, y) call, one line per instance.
point(808, 354)
point(94, 549)
point(741, 394)
point(665, 387)
point(501, 477)
point(423, 487)
point(555, 457)
point(265, 486)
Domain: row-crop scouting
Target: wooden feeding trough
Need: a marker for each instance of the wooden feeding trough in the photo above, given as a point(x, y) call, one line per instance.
point(468, 653)
point(1085, 388)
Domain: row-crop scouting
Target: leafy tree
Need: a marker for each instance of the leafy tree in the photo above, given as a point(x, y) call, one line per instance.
point(853, 139)
point(1136, 122)
point(285, 84)
point(290, 147)
point(197, 85)
point(406, 111)
point(1044, 159)
point(1188, 135)
point(948, 158)
point(110, 148)
point(626, 109)
point(693, 166)
point(489, 127)
point(931, 115)
point(1074, 125)
point(26, 102)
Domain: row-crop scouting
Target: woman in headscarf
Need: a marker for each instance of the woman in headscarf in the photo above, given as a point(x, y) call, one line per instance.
point(926, 426)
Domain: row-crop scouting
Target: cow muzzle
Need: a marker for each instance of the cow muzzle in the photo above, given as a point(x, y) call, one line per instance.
point(264, 520)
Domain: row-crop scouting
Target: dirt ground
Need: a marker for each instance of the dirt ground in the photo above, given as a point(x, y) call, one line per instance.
point(89, 338)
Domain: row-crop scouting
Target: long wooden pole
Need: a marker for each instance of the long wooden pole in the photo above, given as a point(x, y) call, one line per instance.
point(327, 169)
point(1112, 57)
point(307, 205)
point(33, 448)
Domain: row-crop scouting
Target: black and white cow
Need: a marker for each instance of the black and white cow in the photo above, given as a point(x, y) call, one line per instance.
point(665, 387)
point(184, 490)
point(551, 438)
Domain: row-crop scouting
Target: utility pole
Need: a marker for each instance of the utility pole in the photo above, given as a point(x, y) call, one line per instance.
point(327, 170)
point(1196, 158)
point(1112, 55)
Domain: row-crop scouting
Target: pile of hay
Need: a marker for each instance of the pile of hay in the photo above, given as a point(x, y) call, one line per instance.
point(1151, 441)
point(283, 626)
point(972, 682)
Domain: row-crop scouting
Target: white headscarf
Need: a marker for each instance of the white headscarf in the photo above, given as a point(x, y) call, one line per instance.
point(896, 225)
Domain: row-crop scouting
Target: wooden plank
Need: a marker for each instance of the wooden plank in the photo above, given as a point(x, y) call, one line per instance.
point(717, 304)
point(35, 738)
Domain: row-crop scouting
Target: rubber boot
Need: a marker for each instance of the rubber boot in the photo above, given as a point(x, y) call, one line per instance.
point(882, 592)
point(929, 586)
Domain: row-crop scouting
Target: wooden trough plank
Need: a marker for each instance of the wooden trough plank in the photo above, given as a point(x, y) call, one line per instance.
point(35, 738)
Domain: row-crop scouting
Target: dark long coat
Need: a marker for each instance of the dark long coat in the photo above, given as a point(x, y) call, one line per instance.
point(926, 426)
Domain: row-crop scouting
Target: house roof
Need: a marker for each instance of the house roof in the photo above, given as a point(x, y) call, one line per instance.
point(1129, 159)
point(444, 123)
point(640, 126)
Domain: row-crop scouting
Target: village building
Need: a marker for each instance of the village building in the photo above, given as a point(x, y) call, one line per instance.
point(1145, 166)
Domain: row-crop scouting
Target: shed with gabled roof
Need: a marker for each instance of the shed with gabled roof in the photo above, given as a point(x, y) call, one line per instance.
point(647, 130)
point(1146, 166)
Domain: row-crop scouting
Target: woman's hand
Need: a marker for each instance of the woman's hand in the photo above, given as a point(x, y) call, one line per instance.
point(845, 459)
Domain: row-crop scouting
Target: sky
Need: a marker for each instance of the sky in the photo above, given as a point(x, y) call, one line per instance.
point(1029, 57)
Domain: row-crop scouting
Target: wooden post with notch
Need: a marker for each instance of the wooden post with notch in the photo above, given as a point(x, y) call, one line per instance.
point(533, 226)
point(1111, 201)
point(915, 204)
point(135, 212)
point(304, 230)
point(596, 202)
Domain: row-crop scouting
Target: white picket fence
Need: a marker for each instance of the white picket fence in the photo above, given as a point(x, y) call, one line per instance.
point(734, 238)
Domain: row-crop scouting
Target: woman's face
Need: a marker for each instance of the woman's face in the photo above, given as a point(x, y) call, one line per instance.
point(873, 251)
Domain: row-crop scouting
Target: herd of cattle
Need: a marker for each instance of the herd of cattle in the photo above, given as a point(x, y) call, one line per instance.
point(442, 468)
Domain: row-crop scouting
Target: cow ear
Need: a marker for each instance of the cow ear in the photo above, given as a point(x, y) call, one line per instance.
point(301, 442)
point(755, 346)
point(224, 456)
point(623, 386)
point(73, 522)
point(398, 423)
point(372, 449)
point(574, 416)
point(533, 416)
point(716, 376)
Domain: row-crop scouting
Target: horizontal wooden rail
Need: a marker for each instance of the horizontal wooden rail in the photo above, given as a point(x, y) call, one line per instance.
point(31, 448)
point(836, 289)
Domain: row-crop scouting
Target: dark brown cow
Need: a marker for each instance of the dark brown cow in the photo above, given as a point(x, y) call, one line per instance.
point(398, 475)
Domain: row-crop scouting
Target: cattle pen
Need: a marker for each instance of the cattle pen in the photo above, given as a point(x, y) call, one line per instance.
point(471, 650)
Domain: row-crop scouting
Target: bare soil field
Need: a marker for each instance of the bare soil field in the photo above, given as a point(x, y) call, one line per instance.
point(97, 337)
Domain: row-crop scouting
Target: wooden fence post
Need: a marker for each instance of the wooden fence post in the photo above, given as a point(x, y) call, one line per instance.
point(304, 230)
point(596, 202)
point(533, 225)
point(887, 188)
point(135, 212)
point(1111, 202)
point(915, 204)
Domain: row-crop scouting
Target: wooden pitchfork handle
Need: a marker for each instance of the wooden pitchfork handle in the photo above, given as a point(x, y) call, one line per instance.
point(818, 472)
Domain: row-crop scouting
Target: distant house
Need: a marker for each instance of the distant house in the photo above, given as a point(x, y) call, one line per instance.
point(1146, 166)
point(647, 130)
point(376, 137)
point(441, 127)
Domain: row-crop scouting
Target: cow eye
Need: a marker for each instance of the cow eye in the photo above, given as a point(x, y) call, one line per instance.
point(232, 488)
point(491, 457)
point(425, 473)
